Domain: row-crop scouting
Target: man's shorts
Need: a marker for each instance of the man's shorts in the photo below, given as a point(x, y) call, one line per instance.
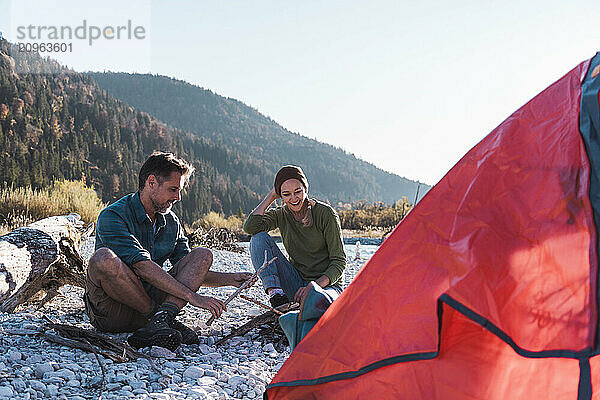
point(108, 315)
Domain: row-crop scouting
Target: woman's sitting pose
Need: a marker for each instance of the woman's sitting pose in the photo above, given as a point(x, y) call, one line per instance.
point(311, 234)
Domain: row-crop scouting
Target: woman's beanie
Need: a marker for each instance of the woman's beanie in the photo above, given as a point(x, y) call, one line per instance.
point(289, 172)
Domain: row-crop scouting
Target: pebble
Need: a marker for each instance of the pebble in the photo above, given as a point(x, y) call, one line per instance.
point(207, 381)
point(113, 386)
point(64, 373)
point(211, 372)
point(18, 384)
point(95, 381)
point(73, 383)
point(269, 348)
point(244, 370)
point(236, 380)
point(198, 393)
point(35, 359)
point(122, 378)
point(193, 373)
point(205, 349)
point(42, 369)
point(138, 385)
point(238, 369)
point(37, 385)
point(161, 352)
point(51, 390)
point(15, 356)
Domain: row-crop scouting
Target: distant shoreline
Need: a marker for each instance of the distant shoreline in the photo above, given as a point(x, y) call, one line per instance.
point(347, 240)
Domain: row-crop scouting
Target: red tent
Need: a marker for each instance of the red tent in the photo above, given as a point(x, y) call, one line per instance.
point(488, 289)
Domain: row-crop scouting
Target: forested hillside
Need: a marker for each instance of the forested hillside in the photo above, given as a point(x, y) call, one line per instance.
point(333, 174)
point(59, 124)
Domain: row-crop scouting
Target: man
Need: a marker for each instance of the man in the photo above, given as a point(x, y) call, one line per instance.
point(126, 287)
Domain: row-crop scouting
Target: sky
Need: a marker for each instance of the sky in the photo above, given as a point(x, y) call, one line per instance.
point(408, 86)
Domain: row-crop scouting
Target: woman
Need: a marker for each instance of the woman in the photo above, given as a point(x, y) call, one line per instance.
point(311, 234)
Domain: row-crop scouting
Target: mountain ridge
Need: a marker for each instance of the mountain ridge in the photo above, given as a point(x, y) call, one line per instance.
point(243, 128)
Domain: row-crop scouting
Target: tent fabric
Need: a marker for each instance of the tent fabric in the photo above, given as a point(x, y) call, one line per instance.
point(488, 288)
point(589, 124)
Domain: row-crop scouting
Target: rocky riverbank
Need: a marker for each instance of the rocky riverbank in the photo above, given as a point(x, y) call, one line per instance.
point(32, 368)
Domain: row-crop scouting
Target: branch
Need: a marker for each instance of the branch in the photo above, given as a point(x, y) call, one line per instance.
point(265, 318)
point(258, 303)
point(250, 281)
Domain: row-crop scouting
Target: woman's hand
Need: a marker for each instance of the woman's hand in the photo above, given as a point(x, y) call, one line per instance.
point(273, 195)
point(265, 203)
point(301, 294)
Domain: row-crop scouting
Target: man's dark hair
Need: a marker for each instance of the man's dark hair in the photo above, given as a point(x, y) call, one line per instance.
point(162, 165)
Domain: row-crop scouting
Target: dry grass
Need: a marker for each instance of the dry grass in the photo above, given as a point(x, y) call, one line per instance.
point(21, 206)
point(214, 220)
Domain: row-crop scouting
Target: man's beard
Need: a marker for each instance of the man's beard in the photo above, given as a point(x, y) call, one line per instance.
point(163, 208)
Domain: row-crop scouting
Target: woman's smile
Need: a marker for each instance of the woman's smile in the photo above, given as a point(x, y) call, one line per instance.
point(293, 194)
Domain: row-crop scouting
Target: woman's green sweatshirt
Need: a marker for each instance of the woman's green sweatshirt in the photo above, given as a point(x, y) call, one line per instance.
point(314, 251)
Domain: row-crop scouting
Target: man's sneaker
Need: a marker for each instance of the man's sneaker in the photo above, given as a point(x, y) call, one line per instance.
point(188, 336)
point(156, 333)
point(278, 300)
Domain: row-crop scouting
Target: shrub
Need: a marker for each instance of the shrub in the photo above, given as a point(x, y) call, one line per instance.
point(232, 223)
point(363, 216)
point(75, 196)
point(23, 205)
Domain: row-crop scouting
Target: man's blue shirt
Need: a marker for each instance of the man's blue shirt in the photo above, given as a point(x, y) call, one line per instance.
point(125, 228)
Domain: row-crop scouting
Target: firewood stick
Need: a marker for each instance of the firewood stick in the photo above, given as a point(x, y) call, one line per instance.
point(258, 303)
point(265, 318)
point(245, 284)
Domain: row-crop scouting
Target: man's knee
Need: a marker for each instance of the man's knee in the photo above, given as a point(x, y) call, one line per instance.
point(104, 262)
point(202, 257)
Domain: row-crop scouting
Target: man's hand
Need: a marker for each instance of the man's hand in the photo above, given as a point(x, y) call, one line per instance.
point(238, 279)
point(216, 307)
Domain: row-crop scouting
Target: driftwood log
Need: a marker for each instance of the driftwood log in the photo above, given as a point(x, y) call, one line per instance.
point(40, 258)
point(92, 341)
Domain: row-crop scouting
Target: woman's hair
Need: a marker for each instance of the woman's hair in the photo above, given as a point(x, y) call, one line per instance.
point(289, 172)
point(162, 165)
